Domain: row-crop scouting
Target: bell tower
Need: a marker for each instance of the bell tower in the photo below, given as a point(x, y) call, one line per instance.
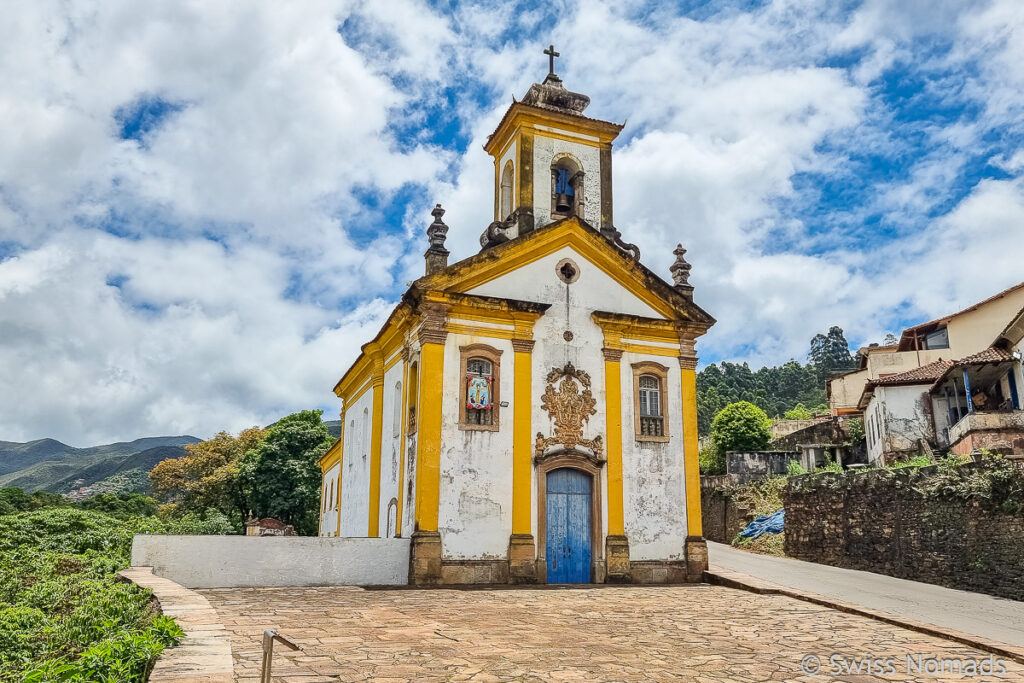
point(550, 162)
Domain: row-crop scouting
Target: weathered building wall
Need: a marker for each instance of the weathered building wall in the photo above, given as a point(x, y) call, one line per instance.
point(329, 502)
point(844, 391)
point(896, 420)
point(355, 478)
point(545, 150)
point(783, 428)
point(755, 464)
point(877, 521)
point(390, 449)
point(654, 487)
point(475, 512)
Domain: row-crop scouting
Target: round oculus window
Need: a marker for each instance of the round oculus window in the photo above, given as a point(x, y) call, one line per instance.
point(567, 271)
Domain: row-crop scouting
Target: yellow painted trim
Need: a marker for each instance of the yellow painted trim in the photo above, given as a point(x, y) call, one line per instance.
point(376, 433)
point(359, 394)
point(392, 362)
point(390, 338)
point(650, 350)
point(333, 453)
point(474, 331)
point(613, 405)
point(691, 467)
point(572, 234)
point(522, 445)
point(520, 116)
point(428, 439)
point(402, 446)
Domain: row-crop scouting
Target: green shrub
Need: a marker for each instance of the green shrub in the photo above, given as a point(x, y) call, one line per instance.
point(64, 616)
point(741, 426)
point(795, 469)
point(916, 461)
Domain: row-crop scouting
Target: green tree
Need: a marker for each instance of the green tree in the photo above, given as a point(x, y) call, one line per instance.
point(121, 505)
point(741, 426)
point(830, 353)
point(207, 477)
point(280, 477)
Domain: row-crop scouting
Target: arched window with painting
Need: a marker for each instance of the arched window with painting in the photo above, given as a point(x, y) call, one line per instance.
point(650, 401)
point(479, 394)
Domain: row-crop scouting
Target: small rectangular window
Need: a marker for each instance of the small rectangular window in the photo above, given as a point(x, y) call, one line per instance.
point(649, 384)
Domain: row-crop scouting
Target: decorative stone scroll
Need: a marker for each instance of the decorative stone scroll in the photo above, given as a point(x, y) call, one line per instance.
point(570, 403)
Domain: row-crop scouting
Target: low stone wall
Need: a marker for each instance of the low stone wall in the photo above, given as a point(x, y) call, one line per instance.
point(759, 463)
point(247, 561)
point(877, 521)
point(721, 517)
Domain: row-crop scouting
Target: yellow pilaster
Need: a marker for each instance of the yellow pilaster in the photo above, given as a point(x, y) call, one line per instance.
point(376, 429)
point(428, 429)
point(691, 468)
point(613, 403)
point(522, 444)
point(401, 441)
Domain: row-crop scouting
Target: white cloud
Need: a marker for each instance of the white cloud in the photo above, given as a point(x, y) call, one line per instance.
point(248, 272)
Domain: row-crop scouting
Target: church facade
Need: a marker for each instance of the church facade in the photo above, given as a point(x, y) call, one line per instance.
point(528, 414)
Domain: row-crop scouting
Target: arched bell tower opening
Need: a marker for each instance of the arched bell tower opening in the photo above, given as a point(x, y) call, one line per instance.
point(566, 187)
point(507, 181)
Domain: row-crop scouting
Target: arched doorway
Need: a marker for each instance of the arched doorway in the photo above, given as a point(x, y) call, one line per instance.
point(568, 511)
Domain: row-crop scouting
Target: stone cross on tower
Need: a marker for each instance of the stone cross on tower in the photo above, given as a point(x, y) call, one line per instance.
point(550, 52)
point(436, 255)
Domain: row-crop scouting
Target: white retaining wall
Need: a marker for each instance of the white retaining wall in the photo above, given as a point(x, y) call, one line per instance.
point(248, 561)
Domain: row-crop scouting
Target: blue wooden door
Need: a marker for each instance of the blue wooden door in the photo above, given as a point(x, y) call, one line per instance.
point(568, 526)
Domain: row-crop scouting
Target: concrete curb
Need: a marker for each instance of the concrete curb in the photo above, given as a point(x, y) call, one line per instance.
point(730, 579)
point(204, 655)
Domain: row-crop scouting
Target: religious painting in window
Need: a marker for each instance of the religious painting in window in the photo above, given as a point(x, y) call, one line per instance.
point(479, 394)
point(650, 401)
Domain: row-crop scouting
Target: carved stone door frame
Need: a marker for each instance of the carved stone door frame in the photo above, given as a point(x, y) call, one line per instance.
point(585, 463)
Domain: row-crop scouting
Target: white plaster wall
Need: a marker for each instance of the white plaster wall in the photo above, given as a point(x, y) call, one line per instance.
point(247, 561)
point(390, 442)
point(654, 482)
point(571, 308)
point(355, 477)
point(329, 517)
point(593, 291)
point(544, 151)
point(475, 511)
point(906, 416)
point(872, 424)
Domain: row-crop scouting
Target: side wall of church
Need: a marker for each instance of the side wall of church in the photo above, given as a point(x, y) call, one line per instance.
point(355, 480)
point(475, 514)
point(328, 503)
point(390, 449)
point(654, 486)
point(545, 150)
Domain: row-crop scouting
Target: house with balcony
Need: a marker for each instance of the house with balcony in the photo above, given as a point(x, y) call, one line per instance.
point(978, 398)
point(951, 337)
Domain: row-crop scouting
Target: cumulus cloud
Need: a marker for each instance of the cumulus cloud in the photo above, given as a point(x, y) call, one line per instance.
point(205, 208)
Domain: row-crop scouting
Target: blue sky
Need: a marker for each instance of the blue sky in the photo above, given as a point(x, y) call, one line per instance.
point(206, 207)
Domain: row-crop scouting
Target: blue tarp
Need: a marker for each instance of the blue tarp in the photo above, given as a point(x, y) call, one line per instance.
point(766, 524)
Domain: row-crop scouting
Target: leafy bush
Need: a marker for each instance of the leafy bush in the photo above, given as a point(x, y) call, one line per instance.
point(64, 616)
point(916, 461)
point(741, 426)
point(795, 469)
point(711, 460)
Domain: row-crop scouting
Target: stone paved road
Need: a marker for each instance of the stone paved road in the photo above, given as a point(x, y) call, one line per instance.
point(695, 633)
point(981, 615)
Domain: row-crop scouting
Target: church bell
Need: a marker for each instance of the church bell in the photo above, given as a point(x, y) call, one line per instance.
point(563, 203)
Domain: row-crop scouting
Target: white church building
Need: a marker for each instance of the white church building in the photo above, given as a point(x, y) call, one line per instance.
point(528, 414)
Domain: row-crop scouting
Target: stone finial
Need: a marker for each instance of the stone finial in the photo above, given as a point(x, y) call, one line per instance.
point(436, 255)
point(681, 272)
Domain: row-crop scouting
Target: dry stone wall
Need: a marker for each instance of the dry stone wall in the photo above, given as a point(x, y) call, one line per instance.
point(882, 522)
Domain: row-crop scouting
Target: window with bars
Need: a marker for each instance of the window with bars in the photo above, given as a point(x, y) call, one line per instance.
point(652, 417)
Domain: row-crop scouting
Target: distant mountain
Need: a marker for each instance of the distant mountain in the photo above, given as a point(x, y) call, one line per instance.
point(334, 428)
point(49, 465)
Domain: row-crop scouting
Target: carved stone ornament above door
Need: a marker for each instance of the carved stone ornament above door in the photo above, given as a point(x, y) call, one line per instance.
point(570, 403)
